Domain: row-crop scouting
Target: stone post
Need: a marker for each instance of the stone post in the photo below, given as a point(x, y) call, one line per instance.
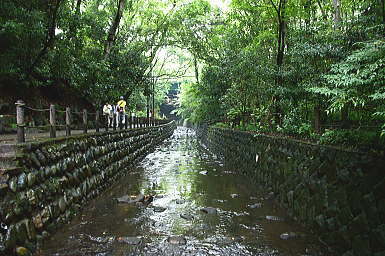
point(68, 121)
point(130, 120)
point(106, 121)
point(52, 121)
point(120, 119)
point(114, 122)
point(20, 121)
point(97, 121)
point(84, 120)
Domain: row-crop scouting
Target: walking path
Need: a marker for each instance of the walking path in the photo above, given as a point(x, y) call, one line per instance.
point(11, 138)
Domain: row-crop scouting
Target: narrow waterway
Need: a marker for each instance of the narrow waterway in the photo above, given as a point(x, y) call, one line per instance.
point(242, 219)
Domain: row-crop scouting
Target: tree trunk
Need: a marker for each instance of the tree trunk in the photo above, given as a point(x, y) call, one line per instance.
point(196, 70)
point(53, 7)
point(317, 118)
point(114, 27)
point(345, 124)
point(307, 9)
point(337, 13)
point(383, 11)
point(324, 16)
point(280, 56)
point(75, 23)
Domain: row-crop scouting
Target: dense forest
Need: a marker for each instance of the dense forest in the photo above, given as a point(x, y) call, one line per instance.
point(310, 69)
point(305, 68)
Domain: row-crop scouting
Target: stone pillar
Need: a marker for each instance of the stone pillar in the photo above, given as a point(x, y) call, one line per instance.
point(130, 120)
point(97, 121)
point(68, 121)
point(52, 121)
point(106, 121)
point(114, 122)
point(20, 121)
point(84, 120)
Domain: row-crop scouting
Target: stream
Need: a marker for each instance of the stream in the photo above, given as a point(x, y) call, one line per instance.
point(193, 205)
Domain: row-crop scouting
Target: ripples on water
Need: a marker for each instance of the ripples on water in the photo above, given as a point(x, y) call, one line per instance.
point(184, 177)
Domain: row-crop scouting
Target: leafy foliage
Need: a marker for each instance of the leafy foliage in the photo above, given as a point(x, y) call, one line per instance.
point(292, 67)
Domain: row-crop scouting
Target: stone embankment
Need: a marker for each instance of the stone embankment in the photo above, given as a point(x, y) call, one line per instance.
point(44, 184)
point(338, 193)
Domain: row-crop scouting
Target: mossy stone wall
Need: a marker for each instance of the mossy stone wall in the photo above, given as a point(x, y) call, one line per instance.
point(46, 183)
point(340, 194)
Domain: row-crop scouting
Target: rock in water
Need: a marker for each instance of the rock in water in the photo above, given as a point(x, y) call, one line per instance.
point(176, 240)
point(257, 205)
point(128, 200)
point(22, 251)
point(186, 216)
point(274, 218)
point(139, 198)
point(180, 201)
point(270, 196)
point(159, 209)
point(230, 240)
point(286, 236)
point(148, 199)
point(209, 210)
point(123, 199)
point(129, 240)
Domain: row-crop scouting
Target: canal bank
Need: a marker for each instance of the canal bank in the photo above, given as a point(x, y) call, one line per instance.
point(200, 206)
point(337, 193)
point(43, 184)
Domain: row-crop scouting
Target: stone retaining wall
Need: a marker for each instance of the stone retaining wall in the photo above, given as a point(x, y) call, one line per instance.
point(339, 194)
point(44, 184)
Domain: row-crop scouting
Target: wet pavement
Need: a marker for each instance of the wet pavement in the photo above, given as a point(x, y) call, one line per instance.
point(199, 207)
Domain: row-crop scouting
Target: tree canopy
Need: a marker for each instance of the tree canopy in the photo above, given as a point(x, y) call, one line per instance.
point(298, 67)
point(301, 68)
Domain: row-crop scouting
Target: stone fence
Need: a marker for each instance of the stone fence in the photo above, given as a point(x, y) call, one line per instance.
point(340, 194)
point(44, 184)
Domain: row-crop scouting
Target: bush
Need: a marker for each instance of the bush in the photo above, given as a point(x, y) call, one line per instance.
point(221, 125)
point(353, 138)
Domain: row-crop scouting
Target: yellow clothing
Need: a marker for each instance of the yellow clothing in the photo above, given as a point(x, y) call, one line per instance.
point(122, 104)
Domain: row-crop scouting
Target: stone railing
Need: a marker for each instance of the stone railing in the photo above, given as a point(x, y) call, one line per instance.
point(42, 184)
point(338, 193)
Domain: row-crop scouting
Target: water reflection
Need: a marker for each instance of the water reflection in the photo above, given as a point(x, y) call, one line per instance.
point(184, 178)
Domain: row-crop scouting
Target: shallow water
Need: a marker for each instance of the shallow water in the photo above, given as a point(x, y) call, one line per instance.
point(184, 178)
